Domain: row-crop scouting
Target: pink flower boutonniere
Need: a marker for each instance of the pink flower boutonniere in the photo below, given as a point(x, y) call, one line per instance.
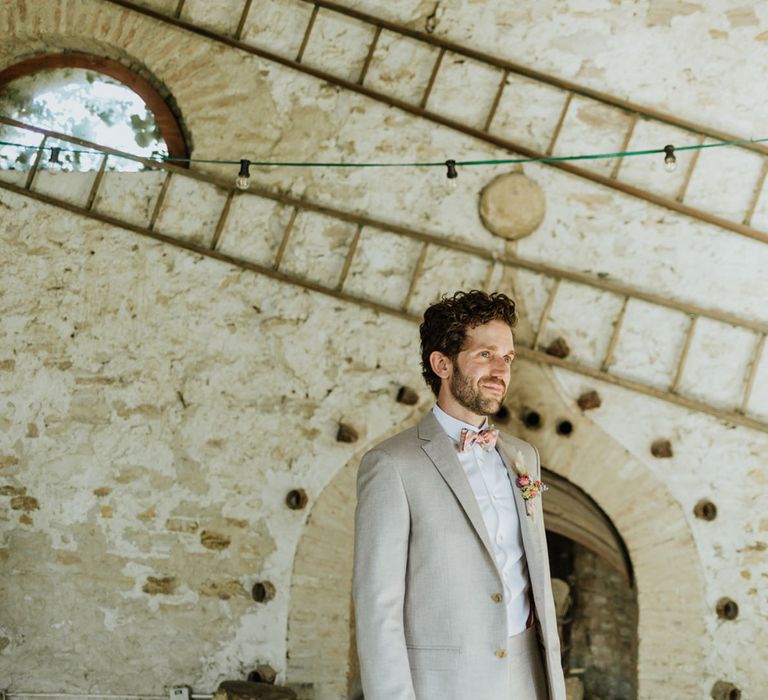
point(529, 488)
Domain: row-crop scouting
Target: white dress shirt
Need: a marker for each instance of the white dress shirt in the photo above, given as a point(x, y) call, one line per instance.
point(490, 483)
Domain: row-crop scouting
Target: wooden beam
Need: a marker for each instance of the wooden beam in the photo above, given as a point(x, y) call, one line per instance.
point(97, 182)
point(501, 142)
point(432, 77)
point(530, 354)
point(307, 32)
point(421, 236)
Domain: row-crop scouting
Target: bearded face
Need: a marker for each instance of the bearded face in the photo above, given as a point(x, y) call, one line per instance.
point(475, 382)
point(482, 396)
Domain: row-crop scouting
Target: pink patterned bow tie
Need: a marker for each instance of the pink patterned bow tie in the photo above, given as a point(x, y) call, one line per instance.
point(485, 438)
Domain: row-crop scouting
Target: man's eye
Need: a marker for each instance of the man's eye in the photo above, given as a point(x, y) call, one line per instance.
point(508, 359)
point(485, 353)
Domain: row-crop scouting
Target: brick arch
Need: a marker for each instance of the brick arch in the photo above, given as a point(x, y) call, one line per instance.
point(167, 120)
point(141, 54)
point(213, 100)
point(668, 574)
point(321, 648)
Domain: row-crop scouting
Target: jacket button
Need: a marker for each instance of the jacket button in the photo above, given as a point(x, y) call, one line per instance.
point(497, 597)
point(501, 653)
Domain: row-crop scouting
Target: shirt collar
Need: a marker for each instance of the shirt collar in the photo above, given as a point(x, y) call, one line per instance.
point(454, 426)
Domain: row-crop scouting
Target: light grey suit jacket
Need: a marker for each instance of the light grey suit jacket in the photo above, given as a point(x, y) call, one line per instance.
point(425, 576)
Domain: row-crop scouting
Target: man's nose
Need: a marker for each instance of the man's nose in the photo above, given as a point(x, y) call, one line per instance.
point(499, 367)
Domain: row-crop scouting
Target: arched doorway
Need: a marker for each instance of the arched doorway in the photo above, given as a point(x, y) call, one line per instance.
point(635, 583)
point(589, 563)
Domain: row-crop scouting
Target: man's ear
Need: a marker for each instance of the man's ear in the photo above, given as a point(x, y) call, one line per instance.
point(441, 364)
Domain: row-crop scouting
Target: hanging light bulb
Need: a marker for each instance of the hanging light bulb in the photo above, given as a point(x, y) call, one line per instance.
point(670, 161)
point(451, 174)
point(243, 180)
point(53, 161)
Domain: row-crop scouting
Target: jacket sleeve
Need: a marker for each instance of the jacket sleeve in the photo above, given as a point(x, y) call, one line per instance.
point(382, 528)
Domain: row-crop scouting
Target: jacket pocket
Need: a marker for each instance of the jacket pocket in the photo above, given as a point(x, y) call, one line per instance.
point(435, 658)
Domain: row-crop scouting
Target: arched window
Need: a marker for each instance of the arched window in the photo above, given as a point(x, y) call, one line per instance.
point(91, 98)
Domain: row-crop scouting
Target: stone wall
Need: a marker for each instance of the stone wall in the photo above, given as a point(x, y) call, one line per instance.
point(158, 405)
point(604, 620)
point(159, 410)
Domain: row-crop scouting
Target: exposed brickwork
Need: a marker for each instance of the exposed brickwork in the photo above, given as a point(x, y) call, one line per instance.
point(604, 628)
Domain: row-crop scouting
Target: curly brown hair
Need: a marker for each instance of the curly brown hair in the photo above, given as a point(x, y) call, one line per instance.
point(445, 325)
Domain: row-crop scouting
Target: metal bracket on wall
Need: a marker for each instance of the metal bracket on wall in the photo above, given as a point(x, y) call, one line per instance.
point(180, 692)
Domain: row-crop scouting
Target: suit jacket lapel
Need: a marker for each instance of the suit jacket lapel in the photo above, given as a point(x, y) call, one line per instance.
point(442, 451)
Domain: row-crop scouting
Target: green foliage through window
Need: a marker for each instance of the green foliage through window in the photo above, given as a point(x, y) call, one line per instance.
point(81, 103)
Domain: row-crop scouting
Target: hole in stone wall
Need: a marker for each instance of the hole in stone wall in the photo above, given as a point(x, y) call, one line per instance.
point(531, 419)
point(263, 673)
point(724, 690)
point(558, 348)
point(296, 499)
point(407, 396)
point(263, 591)
point(705, 509)
point(346, 433)
point(589, 400)
point(662, 449)
point(727, 609)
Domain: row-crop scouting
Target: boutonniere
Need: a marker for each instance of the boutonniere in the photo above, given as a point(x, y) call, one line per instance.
point(529, 488)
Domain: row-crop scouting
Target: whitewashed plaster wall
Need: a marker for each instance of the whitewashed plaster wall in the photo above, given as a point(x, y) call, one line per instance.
point(692, 59)
point(152, 396)
point(100, 411)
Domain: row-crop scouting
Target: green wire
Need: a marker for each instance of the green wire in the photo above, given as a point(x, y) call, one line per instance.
point(435, 164)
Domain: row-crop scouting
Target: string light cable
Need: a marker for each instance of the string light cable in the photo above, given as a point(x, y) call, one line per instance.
point(242, 181)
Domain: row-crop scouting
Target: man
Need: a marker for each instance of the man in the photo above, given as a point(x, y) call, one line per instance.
point(453, 599)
